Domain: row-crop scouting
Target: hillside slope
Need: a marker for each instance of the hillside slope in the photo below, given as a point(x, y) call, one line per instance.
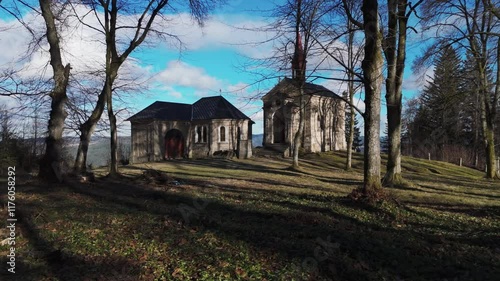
point(256, 219)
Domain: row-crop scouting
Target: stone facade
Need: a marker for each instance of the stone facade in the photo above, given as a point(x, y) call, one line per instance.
point(324, 122)
point(155, 139)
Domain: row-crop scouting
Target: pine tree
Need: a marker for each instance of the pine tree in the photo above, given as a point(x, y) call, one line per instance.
point(358, 143)
point(384, 140)
point(441, 116)
point(471, 121)
point(357, 132)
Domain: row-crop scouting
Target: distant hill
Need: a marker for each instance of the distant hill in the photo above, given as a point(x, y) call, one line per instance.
point(98, 154)
point(99, 150)
point(257, 139)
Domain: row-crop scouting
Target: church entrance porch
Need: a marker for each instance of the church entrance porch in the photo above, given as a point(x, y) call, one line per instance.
point(278, 127)
point(174, 144)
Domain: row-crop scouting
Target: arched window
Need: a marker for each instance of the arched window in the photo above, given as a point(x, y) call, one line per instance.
point(205, 134)
point(201, 134)
point(198, 136)
point(222, 133)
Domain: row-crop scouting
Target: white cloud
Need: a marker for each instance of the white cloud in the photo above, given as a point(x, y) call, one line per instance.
point(238, 32)
point(179, 73)
point(175, 94)
point(81, 46)
point(258, 116)
point(240, 89)
point(417, 81)
point(84, 48)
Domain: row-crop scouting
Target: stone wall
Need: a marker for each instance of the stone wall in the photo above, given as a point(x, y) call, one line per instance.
point(324, 117)
point(148, 138)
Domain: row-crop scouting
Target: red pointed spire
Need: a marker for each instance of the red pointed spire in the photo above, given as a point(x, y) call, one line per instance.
point(298, 61)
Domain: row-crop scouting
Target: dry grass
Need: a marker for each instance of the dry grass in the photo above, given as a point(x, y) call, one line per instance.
point(259, 220)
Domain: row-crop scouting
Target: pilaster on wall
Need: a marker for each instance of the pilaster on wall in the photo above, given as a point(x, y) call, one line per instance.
point(340, 141)
point(308, 114)
point(132, 156)
point(156, 141)
point(268, 126)
point(212, 138)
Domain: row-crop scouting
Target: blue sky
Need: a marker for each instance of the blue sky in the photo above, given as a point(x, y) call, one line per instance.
point(210, 63)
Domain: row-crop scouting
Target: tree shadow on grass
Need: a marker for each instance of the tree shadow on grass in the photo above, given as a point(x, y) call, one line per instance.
point(229, 164)
point(458, 193)
point(365, 252)
point(186, 178)
point(475, 211)
point(221, 165)
point(425, 188)
point(459, 181)
point(59, 264)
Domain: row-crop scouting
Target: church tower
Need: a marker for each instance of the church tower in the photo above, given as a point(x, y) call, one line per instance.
point(298, 60)
point(299, 56)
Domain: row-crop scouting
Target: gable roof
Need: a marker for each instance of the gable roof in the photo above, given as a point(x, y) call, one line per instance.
point(164, 111)
point(288, 85)
point(216, 108)
point(204, 109)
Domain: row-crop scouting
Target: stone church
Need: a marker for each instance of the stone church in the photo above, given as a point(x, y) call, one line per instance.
point(324, 112)
point(324, 127)
point(210, 126)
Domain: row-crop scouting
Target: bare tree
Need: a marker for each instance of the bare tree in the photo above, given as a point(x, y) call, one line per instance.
point(372, 70)
point(372, 66)
point(394, 44)
point(305, 20)
point(347, 55)
point(117, 54)
point(34, 90)
point(299, 71)
point(307, 17)
point(51, 162)
point(354, 52)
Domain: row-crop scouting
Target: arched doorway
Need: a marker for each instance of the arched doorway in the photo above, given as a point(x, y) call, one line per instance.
point(279, 127)
point(174, 144)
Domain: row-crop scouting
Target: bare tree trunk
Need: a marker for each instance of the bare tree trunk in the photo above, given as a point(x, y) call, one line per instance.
point(488, 116)
point(35, 139)
point(491, 171)
point(488, 111)
point(350, 75)
point(80, 165)
point(300, 131)
point(299, 74)
point(113, 168)
point(114, 60)
point(51, 163)
point(488, 135)
point(395, 52)
point(494, 111)
point(488, 107)
point(86, 131)
point(372, 70)
point(350, 139)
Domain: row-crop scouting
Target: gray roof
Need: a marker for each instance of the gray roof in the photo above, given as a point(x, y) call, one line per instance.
point(287, 85)
point(216, 108)
point(164, 111)
point(204, 109)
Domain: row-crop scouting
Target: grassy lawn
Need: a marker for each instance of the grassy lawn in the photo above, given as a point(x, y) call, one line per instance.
point(258, 220)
